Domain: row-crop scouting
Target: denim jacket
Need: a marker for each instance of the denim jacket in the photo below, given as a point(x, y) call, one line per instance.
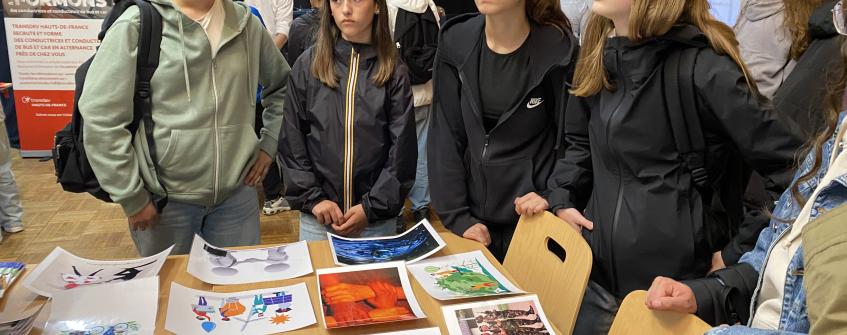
point(794, 318)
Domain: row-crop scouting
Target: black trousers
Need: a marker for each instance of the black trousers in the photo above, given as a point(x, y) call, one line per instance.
point(501, 237)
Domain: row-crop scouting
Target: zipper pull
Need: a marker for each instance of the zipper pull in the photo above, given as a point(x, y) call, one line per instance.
point(485, 146)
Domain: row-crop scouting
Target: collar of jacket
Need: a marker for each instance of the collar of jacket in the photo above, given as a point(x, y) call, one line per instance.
point(460, 39)
point(637, 61)
point(235, 23)
point(343, 48)
point(820, 23)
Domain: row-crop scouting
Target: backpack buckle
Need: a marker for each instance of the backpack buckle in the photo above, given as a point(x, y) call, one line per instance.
point(700, 176)
point(142, 90)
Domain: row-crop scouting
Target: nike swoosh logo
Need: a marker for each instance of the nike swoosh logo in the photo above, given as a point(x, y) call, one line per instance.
point(534, 102)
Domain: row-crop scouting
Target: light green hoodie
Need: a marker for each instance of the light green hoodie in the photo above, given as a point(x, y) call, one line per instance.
point(203, 108)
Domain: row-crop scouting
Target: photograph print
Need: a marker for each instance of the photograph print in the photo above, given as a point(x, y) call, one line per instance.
point(467, 275)
point(366, 294)
point(417, 243)
point(62, 271)
point(257, 312)
point(219, 266)
point(511, 316)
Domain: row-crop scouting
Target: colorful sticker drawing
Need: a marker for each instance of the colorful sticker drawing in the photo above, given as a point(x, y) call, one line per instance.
point(461, 276)
point(95, 310)
point(417, 243)
point(220, 266)
point(510, 316)
point(270, 311)
point(367, 294)
point(123, 328)
point(77, 279)
point(61, 271)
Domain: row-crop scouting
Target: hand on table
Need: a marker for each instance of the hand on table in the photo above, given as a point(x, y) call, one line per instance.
point(478, 232)
point(670, 295)
point(355, 221)
point(575, 219)
point(531, 204)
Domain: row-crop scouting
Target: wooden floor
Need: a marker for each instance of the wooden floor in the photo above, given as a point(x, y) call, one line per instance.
point(88, 227)
point(84, 225)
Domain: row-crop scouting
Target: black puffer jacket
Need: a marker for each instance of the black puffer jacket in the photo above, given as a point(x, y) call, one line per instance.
point(623, 165)
point(801, 96)
point(475, 175)
point(352, 144)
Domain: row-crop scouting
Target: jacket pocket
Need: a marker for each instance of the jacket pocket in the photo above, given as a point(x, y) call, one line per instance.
point(239, 146)
point(503, 182)
point(187, 166)
point(166, 154)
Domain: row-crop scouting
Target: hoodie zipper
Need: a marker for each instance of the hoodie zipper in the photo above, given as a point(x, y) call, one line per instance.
point(217, 135)
point(349, 127)
point(619, 201)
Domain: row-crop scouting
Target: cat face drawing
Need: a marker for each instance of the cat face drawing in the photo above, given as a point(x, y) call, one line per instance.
point(77, 279)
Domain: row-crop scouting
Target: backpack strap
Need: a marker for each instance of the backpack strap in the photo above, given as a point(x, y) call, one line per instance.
point(681, 103)
point(149, 43)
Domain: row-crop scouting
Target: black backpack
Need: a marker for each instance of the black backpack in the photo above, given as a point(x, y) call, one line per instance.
point(73, 170)
point(416, 38)
point(680, 95)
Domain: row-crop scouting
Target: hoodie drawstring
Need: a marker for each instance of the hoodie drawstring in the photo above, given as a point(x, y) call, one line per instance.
point(184, 60)
point(250, 82)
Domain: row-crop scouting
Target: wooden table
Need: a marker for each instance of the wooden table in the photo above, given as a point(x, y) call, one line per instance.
point(174, 270)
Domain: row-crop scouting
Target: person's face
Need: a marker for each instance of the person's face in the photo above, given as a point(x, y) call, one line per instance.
point(839, 17)
point(612, 9)
point(494, 7)
point(354, 18)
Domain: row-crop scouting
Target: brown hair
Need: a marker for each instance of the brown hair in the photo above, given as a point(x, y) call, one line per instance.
point(323, 64)
point(547, 12)
point(649, 19)
point(834, 104)
point(797, 13)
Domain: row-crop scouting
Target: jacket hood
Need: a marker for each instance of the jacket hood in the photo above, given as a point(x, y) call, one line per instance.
point(414, 6)
point(761, 9)
point(236, 18)
point(460, 38)
point(820, 23)
point(343, 48)
point(637, 60)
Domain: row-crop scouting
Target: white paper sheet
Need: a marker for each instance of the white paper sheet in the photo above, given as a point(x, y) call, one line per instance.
point(367, 294)
point(523, 313)
point(220, 266)
point(23, 325)
point(422, 331)
point(460, 276)
point(257, 312)
point(415, 244)
point(127, 308)
point(61, 271)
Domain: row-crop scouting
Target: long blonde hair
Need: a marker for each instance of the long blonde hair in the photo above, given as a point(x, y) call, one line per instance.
point(649, 19)
point(797, 13)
